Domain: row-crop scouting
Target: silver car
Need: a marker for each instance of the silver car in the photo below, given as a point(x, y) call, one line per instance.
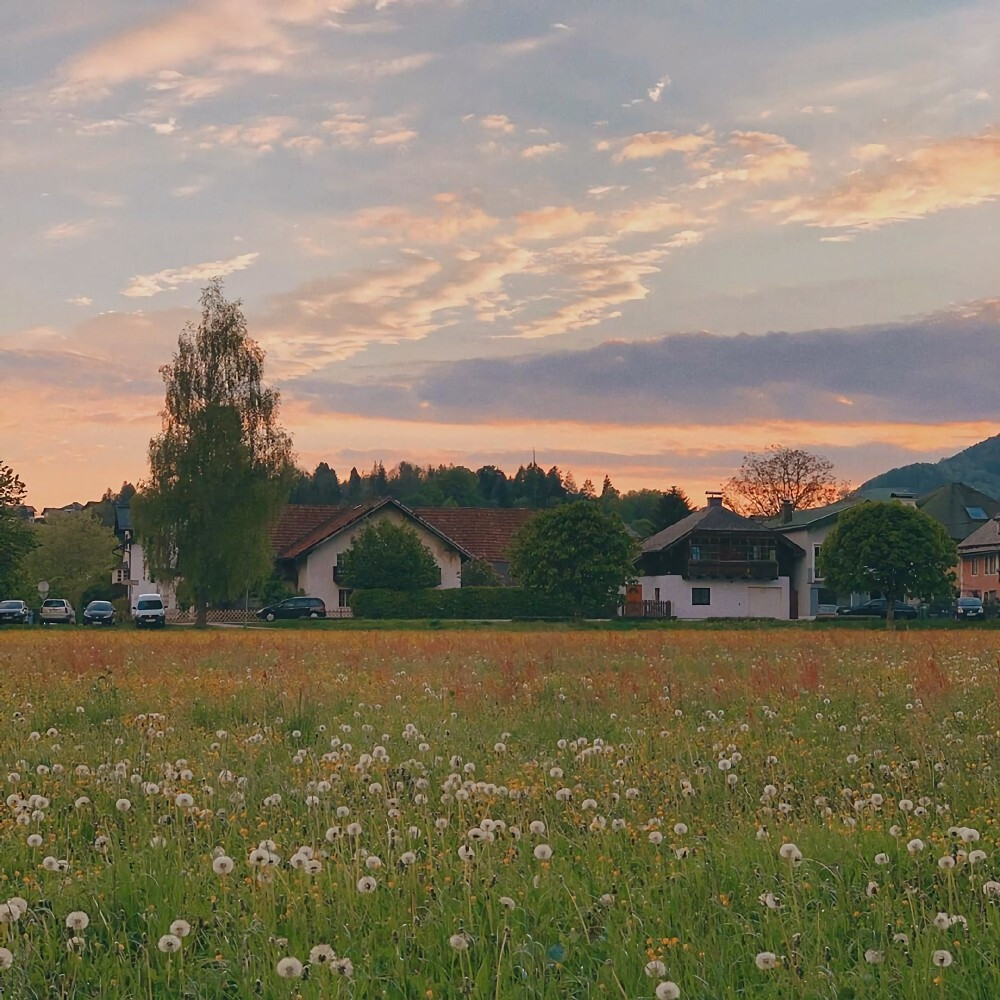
point(56, 610)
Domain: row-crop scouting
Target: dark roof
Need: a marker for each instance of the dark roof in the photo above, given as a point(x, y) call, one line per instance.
point(948, 505)
point(486, 532)
point(711, 518)
point(987, 536)
point(123, 517)
point(813, 515)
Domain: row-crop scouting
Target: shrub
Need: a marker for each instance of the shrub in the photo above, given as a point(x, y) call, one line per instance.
point(458, 602)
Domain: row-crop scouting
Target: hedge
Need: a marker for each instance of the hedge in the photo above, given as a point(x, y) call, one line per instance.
point(457, 602)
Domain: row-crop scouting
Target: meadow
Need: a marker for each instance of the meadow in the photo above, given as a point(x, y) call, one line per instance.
point(771, 814)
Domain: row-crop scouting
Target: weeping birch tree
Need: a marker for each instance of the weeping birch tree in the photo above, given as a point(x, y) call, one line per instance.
point(222, 466)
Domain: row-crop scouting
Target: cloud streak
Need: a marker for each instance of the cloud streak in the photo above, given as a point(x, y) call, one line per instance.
point(953, 173)
point(147, 285)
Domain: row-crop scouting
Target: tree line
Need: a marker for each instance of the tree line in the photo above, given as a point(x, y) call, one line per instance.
point(645, 510)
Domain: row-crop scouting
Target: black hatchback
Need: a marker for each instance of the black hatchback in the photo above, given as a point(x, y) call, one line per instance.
point(294, 607)
point(14, 613)
point(99, 613)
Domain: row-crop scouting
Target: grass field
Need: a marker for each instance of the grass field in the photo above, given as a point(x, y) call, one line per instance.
point(709, 814)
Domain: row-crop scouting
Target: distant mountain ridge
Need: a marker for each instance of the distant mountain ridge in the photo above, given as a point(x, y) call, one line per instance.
point(977, 466)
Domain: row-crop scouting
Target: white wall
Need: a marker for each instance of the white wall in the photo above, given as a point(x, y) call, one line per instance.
point(730, 599)
point(315, 571)
point(137, 562)
point(808, 592)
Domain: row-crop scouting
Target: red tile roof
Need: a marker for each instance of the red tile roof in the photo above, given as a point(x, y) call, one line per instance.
point(484, 532)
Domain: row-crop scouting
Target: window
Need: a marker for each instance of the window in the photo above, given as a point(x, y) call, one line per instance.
point(816, 573)
point(344, 598)
point(977, 514)
point(975, 565)
point(701, 596)
point(656, 593)
point(991, 565)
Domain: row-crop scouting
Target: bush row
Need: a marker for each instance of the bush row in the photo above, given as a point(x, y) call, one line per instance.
point(458, 602)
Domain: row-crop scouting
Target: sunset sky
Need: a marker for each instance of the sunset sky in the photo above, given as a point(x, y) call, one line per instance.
point(640, 237)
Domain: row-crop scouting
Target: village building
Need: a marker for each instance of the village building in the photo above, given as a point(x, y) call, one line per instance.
point(716, 563)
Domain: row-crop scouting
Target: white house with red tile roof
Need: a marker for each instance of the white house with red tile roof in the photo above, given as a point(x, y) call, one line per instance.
point(309, 540)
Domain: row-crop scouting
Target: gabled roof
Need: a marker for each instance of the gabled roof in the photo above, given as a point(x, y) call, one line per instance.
point(345, 517)
point(951, 505)
point(813, 515)
point(710, 519)
point(986, 537)
point(485, 531)
point(477, 532)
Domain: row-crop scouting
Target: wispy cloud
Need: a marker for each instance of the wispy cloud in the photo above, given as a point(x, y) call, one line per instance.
point(544, 149)
point(147, 285)
point(62, 232)
point(652, 145)
point(952, 173)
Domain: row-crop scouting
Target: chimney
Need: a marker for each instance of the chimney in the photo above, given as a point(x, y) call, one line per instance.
point(787, 509)
point(714, 498)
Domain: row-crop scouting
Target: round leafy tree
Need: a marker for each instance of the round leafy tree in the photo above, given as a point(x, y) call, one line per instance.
point(892, 548)
point(480, 573)
point(390, 556)
point(577, 552)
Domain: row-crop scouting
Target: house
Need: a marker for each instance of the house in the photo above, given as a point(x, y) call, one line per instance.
point(716, 563)
point(959, 508)
point(308, 541)
point(133, 572)
point(808, 530)
point(979, 562)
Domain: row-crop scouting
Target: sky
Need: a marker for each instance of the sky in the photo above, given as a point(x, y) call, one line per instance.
point(634, 237)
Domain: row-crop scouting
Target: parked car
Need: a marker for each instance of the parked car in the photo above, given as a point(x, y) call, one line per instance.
point(149, 611)
point(294, 607)
point(968, 609)
point(14, 613)
point(55, 610)
point(878, 609)
point(99, 613)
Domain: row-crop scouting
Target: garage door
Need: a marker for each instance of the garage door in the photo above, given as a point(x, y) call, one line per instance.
point(765, 602)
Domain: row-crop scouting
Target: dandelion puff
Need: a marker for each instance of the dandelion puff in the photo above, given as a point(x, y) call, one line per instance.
point(542, 852)
point(459, 942)
point(34, 840)
point(290, 968)
point(915, 846)
point(169, 944)
point(321, 954)
point(6, 958)
point(881, 859)
point(77, 921)
point(946, 862)
point(181, 928)
point(655, 969)
point(507, 903)
point(766, 960)
point(366, 884)
point(668, 991)
point(790, 853)
point(874, 957)
point(942, 921)
point(223, 864)
point(991, 888)
point(123, 805)
point(942, 958)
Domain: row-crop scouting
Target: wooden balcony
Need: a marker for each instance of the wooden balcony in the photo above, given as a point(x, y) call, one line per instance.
point(732, 569)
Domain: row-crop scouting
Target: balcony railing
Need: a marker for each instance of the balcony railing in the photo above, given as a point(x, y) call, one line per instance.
point(732, 569)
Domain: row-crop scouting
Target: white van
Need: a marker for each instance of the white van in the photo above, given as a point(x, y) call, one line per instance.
point(149, 611)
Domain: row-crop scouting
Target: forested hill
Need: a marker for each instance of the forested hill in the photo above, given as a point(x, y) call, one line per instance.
point(977, 466)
